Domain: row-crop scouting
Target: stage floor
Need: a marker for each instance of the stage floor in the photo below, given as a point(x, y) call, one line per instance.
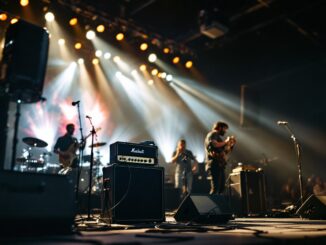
point(237, 231)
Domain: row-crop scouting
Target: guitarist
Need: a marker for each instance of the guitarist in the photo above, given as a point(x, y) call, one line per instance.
point(66, 147)
point(216, 149)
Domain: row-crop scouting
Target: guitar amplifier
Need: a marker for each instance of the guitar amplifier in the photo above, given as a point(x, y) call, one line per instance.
point(133, 193)
point(131, 153)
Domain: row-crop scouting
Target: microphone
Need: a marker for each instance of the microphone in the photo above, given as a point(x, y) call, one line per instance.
point(282, 122)
point(88, 117)
point(75, 102)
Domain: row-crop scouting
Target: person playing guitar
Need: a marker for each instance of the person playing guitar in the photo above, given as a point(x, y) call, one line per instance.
point(66, 147)
point(216, 155)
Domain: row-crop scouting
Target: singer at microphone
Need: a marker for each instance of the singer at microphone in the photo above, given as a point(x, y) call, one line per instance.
point(282, 122)
point(75, 102)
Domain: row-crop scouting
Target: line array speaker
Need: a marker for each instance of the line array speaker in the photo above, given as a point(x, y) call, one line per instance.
point(24, 60)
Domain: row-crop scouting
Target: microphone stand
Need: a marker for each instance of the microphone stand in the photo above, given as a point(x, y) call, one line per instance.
point(297, 148)
point(93, 132)
point(81, 151)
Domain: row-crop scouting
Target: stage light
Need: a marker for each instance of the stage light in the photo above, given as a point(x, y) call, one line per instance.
point(107, 55)
point(61, 41)
point(24, 3)
point(116, 59)
point(78, 45)
point(166, 50)
point(95, 61)
point(73, 21)
point(49, 17)
point(188, 64)
point(134, 72)
point(90, 35)
point(169, 77)
point(80, 61)
point(13, 21)
point(142, 67)
point(163, 75)
point(143, 46)
point(98, 53)
point(3, 17)
point(154, 72)
point(100, 28)
point(152, 58)
point(150, 82)
point(176, 60)
point(120, 36)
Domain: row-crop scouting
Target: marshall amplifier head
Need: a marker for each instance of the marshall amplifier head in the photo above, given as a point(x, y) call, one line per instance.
point(131, 153)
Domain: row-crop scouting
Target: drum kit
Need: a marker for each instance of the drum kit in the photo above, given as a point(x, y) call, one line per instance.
point(27, 162)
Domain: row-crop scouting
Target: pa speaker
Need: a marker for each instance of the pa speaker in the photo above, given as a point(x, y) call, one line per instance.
point(206, 209)
point(32, 203)
point(135, 193)
point(24, 60)
point(313, 208)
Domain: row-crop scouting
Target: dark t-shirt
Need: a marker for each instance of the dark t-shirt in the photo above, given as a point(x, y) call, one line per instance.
point(64, 142)
point(210, 161)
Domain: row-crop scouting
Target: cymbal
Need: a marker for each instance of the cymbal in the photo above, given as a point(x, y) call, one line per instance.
point(98, 144)
point(34, 142)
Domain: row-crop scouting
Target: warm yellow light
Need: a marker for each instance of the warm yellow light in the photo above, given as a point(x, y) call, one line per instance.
point(13, 21)
point(100, 28)
point(24, 3)
point(143, 46)
point(116, 59)
point(73, 21)
point(154, 72)
point(95, 61)
point(3, 17)
point(176, 60)
point(150, 82)
point(142, 67)
point(119, 36)
point(166, 50)
point(80, 61)
point(78, 45)
point(189, 64)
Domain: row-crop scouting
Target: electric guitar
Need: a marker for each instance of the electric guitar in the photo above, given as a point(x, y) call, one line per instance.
point(67, 157)
point(222, 156)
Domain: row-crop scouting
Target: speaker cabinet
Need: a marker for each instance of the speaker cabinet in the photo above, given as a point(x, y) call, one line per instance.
point(135, 193)
point(247, 191)
point(24, 60)
point(206, 209)
point(35, 203)
point(313, 208)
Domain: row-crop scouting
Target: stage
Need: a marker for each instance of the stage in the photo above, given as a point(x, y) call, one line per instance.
point(238, 231)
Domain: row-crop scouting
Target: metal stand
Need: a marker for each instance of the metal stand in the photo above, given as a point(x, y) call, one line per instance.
point(93, 132)
point(15, 141)
point(297, 148)
point(81, 152)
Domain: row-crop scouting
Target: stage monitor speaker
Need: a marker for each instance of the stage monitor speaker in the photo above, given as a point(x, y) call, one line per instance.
point(32, 203)
point(135, 193)
point(205, 209)
point(24, 61)
point(313, 208)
